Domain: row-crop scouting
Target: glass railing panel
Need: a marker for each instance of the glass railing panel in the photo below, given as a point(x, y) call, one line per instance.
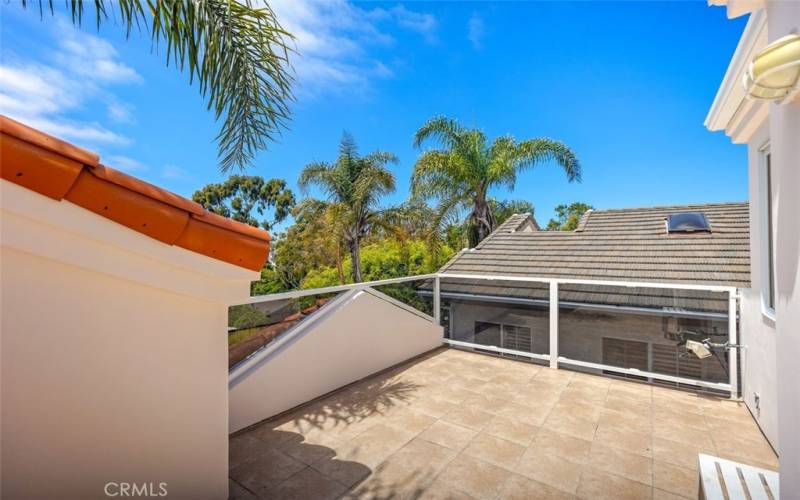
point(416, 294)
point(252, 326)
point(646, 329)
point(505, 314)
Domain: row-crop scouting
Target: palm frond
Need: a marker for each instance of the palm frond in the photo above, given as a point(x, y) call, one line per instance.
point(445, 130)
point(534, 151)
point(238, 54)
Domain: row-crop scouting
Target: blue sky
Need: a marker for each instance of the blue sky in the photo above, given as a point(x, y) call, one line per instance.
point(627, 85)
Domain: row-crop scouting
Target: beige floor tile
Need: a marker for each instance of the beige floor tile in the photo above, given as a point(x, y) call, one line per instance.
point(238, 492)
point(449, 435)
point(308, 451)
point(572, 425)
point(531, 415)
point(410, 420)
point(632, 440)
point(572, 448)
point(578, 408)
point(756, 453)
point(308, 483)
point(625, 404)
point(676, 453)
point(495, 450)
point(245, 447)
point(675, 479)
point(407, 473)
point(487, 403)
point(442, 490)
point(599, 485)
point(266, 471)
point(467, 416)
point(584, 393)
point(519, 487)
point(621, 463)
point(434, 407)
point(665, 495)
point(629, 420)
point(668, 429)
point(272, 436)
point(476, 478)
point(550, 469)
point(683, 418)
point(511, 430)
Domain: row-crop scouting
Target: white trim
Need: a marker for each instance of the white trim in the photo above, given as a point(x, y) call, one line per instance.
point(554, 314)
point(643, 373)
point(732, 111)
point(333, 289)
point(765, 246)
point(470, 345)
point(627, 284)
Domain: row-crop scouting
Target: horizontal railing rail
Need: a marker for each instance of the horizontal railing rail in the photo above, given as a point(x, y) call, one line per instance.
point(731, 385)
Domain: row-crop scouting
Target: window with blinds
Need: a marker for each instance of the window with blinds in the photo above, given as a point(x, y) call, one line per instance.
point(625, 354)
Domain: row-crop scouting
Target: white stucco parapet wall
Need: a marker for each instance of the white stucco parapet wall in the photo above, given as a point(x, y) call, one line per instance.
point(114, 356)
point(357, 334)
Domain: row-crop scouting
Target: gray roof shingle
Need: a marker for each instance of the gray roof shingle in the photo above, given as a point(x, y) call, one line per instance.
point(617, 245)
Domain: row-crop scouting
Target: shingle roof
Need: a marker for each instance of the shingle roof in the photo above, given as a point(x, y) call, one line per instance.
point(615, 245)
point(622, 245)
point(62, 171)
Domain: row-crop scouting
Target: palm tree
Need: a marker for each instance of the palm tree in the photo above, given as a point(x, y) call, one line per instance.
point(461, 173)
point(354, 186)
point(237, 53)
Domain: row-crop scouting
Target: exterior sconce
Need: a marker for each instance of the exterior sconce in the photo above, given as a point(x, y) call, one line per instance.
point(774, 72)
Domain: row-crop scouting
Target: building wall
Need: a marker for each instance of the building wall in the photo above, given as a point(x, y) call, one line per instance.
point(581, 331)
point(356, 335)
point(784, 122)
point(114, 357)
point(757, 327)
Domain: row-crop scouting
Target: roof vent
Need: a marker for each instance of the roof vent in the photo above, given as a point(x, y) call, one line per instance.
point(688, 222)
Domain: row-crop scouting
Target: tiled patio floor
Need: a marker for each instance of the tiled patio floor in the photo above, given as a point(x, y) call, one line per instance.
point(456, 424)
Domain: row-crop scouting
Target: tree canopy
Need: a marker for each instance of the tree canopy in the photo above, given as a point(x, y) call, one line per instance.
point(241, 197)
point(460, 174)
point(354, 186)
point(238, 54)
point(568, 216)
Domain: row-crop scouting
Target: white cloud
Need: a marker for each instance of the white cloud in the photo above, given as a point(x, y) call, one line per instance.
point(43, 94)
point(332, 38)
point(174, 172)
point(475, 31)
point(422, 23)
point(125, 163)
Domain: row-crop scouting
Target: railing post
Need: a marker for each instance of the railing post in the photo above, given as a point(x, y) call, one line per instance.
point(437, 308)
point(733, 338)
point(553, 324)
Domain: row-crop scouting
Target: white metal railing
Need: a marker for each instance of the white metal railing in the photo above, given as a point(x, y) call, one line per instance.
point(553, 357)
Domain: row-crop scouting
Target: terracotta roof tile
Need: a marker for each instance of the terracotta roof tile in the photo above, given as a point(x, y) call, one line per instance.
point(59, 170)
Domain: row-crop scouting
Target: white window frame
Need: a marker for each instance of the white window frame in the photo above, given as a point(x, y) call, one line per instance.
point(766, 232)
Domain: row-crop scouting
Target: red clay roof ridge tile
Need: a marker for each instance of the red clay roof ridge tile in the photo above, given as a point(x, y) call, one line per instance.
point(60, 170)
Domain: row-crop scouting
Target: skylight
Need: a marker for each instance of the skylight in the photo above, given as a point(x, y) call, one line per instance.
point(687, 222)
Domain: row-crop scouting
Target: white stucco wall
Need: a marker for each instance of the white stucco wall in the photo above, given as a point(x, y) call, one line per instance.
point(357, 334)
point(784, 125)
point(757, 329)
point(114, 356)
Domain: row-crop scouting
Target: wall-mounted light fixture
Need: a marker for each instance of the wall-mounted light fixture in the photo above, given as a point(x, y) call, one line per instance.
point(775, 71)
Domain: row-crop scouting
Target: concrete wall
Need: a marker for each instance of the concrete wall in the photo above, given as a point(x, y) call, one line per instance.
point(114, 357)
point(357, 334)
point(784, 124)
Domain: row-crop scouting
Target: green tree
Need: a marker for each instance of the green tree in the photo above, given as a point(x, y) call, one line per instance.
point(460, 174)
point(504, 209)
point(241, 197)
point(354, 186)
point(568, 216)
point(238, 54)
